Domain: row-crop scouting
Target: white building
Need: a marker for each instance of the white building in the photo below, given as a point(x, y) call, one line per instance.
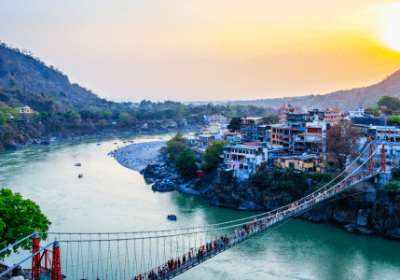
point(356, 114)
point(245, 159)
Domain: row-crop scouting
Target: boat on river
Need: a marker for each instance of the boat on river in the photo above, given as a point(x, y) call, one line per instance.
point(80, 176)
point(171, 217)
point(78, 164)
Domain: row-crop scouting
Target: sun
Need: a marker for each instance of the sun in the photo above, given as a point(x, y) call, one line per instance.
point(391, 30)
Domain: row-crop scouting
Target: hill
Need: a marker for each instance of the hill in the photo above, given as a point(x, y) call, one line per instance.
point(27, 80)
point(344, 99)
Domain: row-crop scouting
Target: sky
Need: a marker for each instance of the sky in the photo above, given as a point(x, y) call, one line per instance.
point(209, 49)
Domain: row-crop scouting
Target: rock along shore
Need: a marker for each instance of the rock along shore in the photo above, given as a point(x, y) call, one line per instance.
point(366, 209)
point(138, 155)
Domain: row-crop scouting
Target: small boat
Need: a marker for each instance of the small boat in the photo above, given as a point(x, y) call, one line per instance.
point(98, 144)
point(171, 217)
point(78, 164)
point(80, 175)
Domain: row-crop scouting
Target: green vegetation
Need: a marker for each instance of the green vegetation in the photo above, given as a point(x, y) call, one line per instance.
point(390, 103)
point(212, 153)
point(394, 120)
point(373, 110)
point(235, 124)
point(175, 146)
point(291, 182)
point(392, 187)
point(18, 219)
point(64, 107)
point(186, 163)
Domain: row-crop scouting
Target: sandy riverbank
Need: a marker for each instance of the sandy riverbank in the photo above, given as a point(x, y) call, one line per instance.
point(138, 155)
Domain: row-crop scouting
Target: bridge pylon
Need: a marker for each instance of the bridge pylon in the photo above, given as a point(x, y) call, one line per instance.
point(56, 264)
point(383, 159)
point(36, 268)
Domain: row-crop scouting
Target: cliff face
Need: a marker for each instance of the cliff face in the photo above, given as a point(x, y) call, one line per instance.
point(364, 209)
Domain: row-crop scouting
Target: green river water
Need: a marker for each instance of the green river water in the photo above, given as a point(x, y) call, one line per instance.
point(111, 198)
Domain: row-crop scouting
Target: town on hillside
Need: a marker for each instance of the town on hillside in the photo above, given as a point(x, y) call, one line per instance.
point(298, 140)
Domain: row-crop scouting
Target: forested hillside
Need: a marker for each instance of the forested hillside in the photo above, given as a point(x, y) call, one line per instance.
point(63, 108)
point(28, 81)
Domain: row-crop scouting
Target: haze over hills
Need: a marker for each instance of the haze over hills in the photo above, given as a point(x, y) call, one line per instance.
point(344, 99)
point(27, 80)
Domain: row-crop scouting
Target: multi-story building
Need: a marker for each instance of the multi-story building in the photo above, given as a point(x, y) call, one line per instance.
point(283, 136)
point(315, 135)
point(25, 110)
point(356, 114)
point(283, 113)
point(205, 137)
point(264, 133)
point(245, 159)
point(249, 129)
point(333, 116)
point(219, 118)
point(386, 133)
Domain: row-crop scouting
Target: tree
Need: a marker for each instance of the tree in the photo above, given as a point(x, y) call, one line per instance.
point(387, 111)
point(373, 110)
point(212, 153)
point(74, 117)
point(44, 116)
point(393, 187)
point(2, 118)
point(393, 120)
point(176, 145)
point(389, 102)
point(235, 124)
point(18, 219)
point(341, 140)
point(186, 163)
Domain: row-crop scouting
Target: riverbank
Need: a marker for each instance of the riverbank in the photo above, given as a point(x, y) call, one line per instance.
point(112, 198)
point(137, 156)
point(23, 141)
point(365, 209)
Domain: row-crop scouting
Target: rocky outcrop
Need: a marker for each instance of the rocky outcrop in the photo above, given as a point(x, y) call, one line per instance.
point(365, 209)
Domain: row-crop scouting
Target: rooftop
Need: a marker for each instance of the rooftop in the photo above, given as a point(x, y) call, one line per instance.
point(241, 147)
point(300, 157)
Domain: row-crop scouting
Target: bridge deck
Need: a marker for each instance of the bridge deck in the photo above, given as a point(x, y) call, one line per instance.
point(236, 237)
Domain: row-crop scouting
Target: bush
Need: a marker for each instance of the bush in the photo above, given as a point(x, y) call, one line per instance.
point(212, 153)
point(263, 180)
point(175, 146)
point(392, 188)
point(186, 163)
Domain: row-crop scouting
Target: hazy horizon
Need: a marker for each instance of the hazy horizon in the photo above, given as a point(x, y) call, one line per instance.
point(210, 50)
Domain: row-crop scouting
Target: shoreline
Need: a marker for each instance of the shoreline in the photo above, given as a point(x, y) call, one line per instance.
point(81, 135)
point(137, 156)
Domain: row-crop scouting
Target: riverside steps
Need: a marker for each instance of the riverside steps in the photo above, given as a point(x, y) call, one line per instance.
point(167, 253)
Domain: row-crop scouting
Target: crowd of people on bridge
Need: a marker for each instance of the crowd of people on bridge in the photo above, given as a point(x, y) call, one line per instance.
point(209, 249)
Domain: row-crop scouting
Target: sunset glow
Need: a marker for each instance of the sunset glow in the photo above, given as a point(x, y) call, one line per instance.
point(210, 50)
point(392, 30)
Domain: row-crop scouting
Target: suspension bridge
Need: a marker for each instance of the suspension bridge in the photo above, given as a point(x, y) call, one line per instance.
point(165, 254)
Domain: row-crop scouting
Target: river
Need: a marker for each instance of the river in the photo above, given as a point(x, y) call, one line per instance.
point(112, 198)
